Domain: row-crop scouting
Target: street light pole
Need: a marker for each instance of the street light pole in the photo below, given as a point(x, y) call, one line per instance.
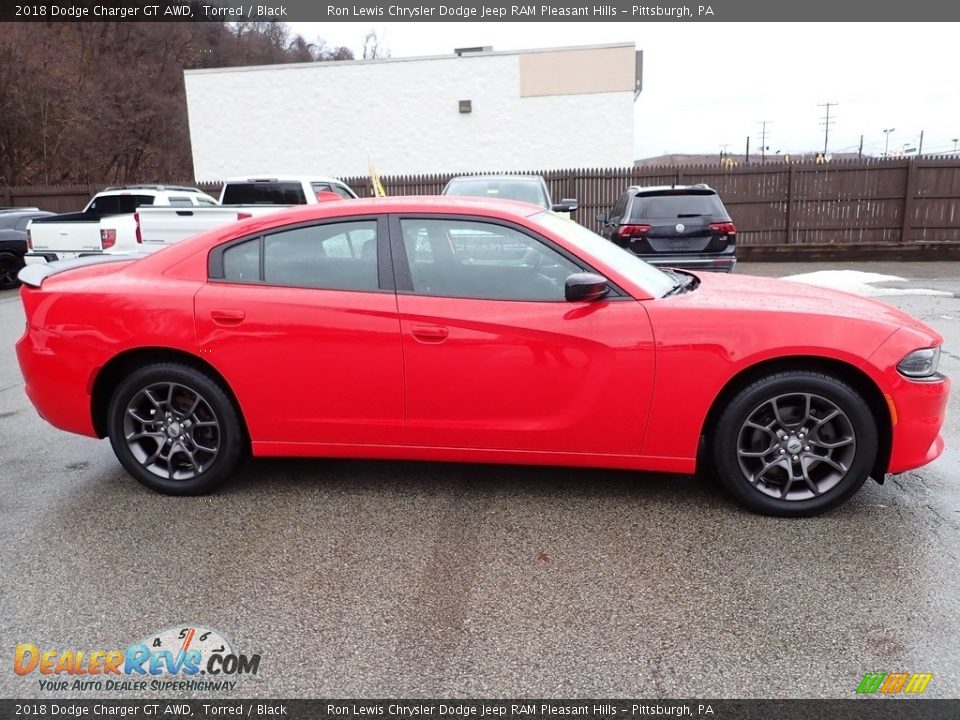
point(886, 145)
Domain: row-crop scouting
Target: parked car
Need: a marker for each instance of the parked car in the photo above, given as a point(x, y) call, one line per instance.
point(524, 188)
point(682, 226)
point(106, 224)
point(240, 198)
point(463, 330)
point(13, 241)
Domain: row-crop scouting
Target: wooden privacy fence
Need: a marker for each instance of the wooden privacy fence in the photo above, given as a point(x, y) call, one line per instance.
point(777, 206)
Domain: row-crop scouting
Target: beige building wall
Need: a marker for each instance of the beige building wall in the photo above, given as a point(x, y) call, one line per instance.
point(578, 71)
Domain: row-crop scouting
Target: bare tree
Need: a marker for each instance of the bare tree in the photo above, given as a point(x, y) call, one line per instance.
point(372, 47)
point(104, 102)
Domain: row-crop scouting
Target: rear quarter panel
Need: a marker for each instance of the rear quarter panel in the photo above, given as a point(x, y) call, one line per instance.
point(81, 320)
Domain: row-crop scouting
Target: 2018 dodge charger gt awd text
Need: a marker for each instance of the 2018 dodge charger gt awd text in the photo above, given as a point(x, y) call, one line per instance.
point(474, 330)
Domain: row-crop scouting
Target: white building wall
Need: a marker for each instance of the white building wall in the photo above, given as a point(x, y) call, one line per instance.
point(402, 114)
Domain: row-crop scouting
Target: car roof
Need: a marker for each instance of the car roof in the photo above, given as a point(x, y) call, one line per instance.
point(18, 210)
point(408, 204)
point(274, 177)
point(8, 219)
point(156, 188)
point(701, 188)
point(488, 178)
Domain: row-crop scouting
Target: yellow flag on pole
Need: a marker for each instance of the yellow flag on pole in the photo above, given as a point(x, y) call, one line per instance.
point(375, 185)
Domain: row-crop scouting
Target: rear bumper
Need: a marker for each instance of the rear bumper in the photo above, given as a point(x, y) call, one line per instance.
point(58, 379)
point(708, 262)
point(41, 258)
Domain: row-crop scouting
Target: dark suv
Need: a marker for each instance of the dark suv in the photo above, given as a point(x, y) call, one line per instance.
point(13, 241)
point(683, 226)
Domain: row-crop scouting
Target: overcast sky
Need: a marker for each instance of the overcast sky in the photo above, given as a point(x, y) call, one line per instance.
point(710, 84)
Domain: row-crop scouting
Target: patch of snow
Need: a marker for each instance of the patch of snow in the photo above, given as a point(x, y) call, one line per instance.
point(861, 283)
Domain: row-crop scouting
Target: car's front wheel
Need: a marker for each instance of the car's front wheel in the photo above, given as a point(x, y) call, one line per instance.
point(795, 444)
point(174, 429)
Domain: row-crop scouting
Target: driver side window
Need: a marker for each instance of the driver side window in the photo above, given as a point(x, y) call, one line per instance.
point(470, 259)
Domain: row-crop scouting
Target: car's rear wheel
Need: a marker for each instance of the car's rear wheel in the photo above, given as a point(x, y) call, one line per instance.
point(174, 429)
point(795, 444)
point(10, 265)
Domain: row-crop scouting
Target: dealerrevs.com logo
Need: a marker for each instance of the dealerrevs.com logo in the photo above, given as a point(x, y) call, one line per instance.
point(189, 657)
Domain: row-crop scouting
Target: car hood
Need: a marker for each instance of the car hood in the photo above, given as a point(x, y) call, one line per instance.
point(752, 293)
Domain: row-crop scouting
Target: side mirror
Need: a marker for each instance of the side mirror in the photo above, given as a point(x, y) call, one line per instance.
point(601, 217)
point(585, 287)
point(567, 205)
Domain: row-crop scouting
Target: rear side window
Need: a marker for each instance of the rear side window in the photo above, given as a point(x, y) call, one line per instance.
point(119, 204)
point(241, 263)
point(180, 201)
point(646, 207)
point(621, 205)
point(278, 193)
point(334, 256)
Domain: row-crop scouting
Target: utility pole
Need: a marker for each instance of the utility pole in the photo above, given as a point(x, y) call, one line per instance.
point(860, 151)
point(920, 147)
point(723, 150)
point(763, 140)
point(746, 156)
point(827, 122)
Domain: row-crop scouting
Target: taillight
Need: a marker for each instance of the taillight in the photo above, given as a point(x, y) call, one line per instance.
point(633, 230)
point(29, 241)
point(136, 221)
point(724, 227)
point(108, 238)
point(243, 216)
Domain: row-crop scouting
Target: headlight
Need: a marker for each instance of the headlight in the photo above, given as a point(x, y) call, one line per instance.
point(920, 363)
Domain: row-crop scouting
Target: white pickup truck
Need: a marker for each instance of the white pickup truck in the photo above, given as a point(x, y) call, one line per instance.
point(240, 198)
point(107, 223)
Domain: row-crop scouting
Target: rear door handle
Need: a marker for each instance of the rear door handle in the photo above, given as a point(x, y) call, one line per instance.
point(227, 317)
point(429, 333)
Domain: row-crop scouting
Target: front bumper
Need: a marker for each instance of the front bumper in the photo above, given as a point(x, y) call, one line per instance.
point(706, 262)
point(920, 408)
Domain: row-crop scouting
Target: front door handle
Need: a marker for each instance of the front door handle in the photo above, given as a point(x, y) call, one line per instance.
point(227, 317)
point(430, 333)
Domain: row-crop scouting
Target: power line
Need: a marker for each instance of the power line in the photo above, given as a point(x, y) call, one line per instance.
point(827, 122)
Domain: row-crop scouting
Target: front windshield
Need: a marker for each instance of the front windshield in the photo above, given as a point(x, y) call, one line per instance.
point(654, 281)
point(528, 191)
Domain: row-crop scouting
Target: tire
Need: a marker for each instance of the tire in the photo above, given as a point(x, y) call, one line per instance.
point(10, 265)
point(795, 444)
point(175, 430)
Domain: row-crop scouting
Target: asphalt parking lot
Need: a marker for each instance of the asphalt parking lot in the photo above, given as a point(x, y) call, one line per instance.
point(375, 579)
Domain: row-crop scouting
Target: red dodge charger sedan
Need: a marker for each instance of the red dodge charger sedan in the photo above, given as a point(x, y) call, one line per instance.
point(474, 330)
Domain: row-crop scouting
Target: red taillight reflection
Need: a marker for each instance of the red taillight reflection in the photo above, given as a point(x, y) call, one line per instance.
point(108, 238)
point(243, 215)
point(136, 221)
point(633, 230)
point(724, 227)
